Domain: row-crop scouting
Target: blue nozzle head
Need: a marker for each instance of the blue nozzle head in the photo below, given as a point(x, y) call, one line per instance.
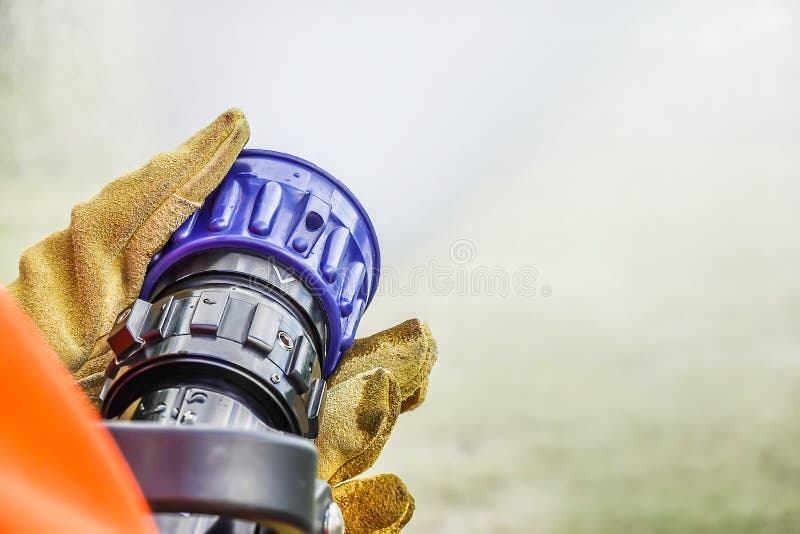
point(279, 206)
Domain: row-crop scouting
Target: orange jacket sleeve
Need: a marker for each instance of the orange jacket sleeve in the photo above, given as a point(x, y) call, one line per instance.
point(60, 471)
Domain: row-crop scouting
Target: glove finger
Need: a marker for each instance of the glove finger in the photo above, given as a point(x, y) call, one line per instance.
point(212, 152)
point(116, 234)
point(107, 222)
point(359, 416)
point(407, 350)
point(379, 504)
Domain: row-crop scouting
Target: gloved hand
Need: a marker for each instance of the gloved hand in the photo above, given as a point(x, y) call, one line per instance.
point(377, 379)
point(74, 283)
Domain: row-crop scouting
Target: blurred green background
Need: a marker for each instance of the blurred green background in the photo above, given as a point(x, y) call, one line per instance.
point(642, 157)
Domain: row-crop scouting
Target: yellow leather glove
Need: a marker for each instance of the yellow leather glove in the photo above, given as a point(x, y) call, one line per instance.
point(74, 283)
point(377, 379)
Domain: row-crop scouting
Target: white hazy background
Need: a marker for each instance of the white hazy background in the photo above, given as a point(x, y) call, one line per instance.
point(642, 156)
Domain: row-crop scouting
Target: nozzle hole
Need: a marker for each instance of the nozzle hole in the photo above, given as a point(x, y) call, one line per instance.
point(313, 221)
